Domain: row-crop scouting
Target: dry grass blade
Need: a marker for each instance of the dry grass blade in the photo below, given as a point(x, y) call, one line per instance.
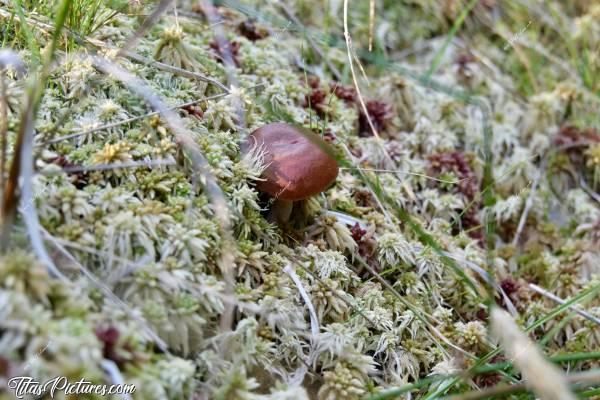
point(10, 195)
point(8, 59)
point(425, 318)
point(371, 23)
point(174, 70)
point(314, 324)
point(539, 374)
point(129, 120)
point(350, 52)
point(109, 294)
point(30, 214)
point(528, 203)
point(146, 25)
point(200, 167)
point(25, 140)
point(112, 370)
point(589, 190)
point(97, 253)
point(399, 172)
point(383, 209)
point(557, 299)
point(3, 128)
point(107, 167)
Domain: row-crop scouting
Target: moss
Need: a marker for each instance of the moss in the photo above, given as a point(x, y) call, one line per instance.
point(154, 234)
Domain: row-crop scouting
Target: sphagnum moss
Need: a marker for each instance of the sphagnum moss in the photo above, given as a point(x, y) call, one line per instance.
point(150, 233)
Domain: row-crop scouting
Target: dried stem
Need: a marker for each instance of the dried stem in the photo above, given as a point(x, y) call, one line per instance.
point(200, 168)
point(389, 287)
point(371, 23)
point(544, 378)
point(172, 69)
point(351, 61)
point(3, 127)
point(589, 190)
point(107, 167)
point(137, 118)
point(23, 152)
point(557, 299)
point(109, 294)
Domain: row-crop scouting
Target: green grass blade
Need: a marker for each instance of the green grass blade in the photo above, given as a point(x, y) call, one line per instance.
point(437, 59)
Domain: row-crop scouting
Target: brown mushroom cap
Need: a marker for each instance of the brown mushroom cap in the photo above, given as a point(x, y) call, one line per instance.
point(298, 165)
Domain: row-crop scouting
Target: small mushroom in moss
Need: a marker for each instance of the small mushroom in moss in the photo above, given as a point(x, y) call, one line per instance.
point(299, 166)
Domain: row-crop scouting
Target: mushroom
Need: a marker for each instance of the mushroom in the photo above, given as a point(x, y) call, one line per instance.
point(299, 166)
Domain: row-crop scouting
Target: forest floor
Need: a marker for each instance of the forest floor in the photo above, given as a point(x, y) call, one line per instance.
point(456, 255)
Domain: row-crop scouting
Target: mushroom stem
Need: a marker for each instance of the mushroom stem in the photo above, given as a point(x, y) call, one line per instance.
point(281, 211)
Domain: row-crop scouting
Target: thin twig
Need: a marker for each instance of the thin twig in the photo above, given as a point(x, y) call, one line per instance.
point(105, 167)
point(172, 69)
point(557, 299)
point(392, 171)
